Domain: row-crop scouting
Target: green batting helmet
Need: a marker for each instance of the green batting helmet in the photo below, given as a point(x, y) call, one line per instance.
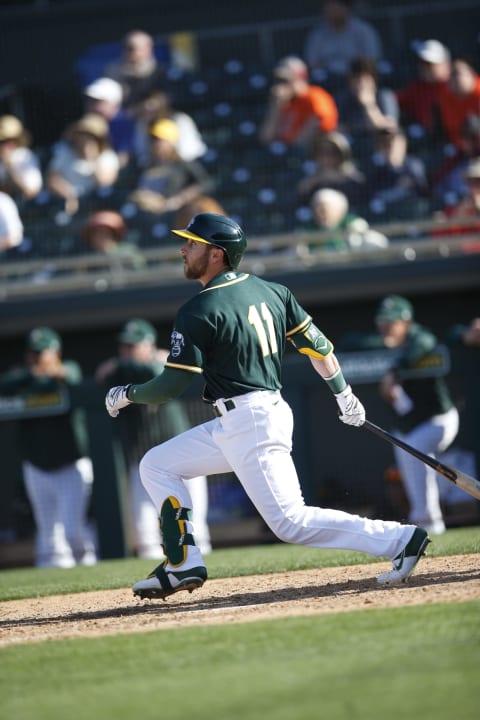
point(218, 230)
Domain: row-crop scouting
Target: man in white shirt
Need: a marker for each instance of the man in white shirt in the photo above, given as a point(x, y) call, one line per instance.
point(11, 226)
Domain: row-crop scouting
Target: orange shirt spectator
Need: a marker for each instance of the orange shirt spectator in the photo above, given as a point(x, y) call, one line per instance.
point(461, 99)
point(297, 110)
point(296, 114)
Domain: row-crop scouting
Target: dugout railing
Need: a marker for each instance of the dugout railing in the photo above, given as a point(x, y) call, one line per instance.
point(409, 241)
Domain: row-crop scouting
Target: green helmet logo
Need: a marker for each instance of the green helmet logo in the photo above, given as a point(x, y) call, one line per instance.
point(218, 230)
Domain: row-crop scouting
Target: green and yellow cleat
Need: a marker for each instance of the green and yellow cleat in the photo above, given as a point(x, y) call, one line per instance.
point(162, 582)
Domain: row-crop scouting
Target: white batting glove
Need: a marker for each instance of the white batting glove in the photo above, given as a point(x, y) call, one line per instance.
point(352, 410)
point(116, 399)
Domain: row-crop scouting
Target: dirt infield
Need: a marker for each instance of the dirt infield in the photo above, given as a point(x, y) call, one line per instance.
point(244, 599)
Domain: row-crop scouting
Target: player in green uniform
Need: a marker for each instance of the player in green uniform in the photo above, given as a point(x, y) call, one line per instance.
point(57, 471)
point(234, 332)
point(424, 414)
point(421, 407)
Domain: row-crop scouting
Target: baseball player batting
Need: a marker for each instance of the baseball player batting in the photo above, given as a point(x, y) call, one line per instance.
point(234, 333)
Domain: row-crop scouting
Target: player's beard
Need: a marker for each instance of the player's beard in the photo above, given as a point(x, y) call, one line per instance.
point(197, 269)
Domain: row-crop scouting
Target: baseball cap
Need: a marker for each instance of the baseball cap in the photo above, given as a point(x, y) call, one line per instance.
point(165, 129)
point(12, 129)
point(431, 51)
point(43, 338)
point(105, 89)
point(394, 307)
point(105, 219)
point(92, 124)
point(136, 331)
point(290, 68)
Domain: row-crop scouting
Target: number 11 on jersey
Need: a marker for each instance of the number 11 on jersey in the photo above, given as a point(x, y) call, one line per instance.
point(264, 328)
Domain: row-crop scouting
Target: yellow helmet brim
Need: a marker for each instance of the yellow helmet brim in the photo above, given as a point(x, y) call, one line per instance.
point(191, 236)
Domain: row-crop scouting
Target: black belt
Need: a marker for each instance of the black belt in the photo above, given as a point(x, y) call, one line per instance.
point(228, 404)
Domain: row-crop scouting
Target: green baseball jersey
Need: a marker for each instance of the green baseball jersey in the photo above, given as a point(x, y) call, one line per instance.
point(234, 332)
point(51, 441)
point(430, 395)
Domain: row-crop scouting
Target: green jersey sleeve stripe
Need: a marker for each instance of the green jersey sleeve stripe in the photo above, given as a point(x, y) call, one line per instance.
point(179, 366)
point(300, 328)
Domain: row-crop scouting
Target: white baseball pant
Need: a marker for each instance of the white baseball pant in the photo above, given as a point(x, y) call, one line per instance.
point(59, 500)
point(254, 440)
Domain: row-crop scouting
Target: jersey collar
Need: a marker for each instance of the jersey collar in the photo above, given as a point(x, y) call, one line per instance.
point(224, 279)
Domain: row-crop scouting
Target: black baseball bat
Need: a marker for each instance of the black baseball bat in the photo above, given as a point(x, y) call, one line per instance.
point(457, 477)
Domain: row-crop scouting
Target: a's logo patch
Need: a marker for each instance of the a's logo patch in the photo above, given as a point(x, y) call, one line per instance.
point(177, 342)
point(317, 338)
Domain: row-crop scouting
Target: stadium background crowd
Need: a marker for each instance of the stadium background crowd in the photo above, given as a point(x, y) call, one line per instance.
point(409, 164)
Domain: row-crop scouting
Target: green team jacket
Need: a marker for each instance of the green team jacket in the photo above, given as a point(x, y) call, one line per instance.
point(430, 395)
point(51, 441)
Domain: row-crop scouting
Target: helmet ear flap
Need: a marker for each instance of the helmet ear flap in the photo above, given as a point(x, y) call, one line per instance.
point(224, 254)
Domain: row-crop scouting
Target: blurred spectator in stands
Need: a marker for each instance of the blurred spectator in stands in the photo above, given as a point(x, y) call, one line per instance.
point(397, 181)
point(364, 107)
point(11, 225)
point(168, 182)
point(461, 99)
point(155, 106)
point(203, 203)
point(138, 360)
point(105, 232)
point(82, 162)
point(339, 38)
point(104, 97)
point(463, 218)
point(296, 109)
point(138, 71)
point(469, 206)
point(20, 174)
point(448, 181)
point(332, 166)
point(57, 471)
point(341, 229)
point(420, 99)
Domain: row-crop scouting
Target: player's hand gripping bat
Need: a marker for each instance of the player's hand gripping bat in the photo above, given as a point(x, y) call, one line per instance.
point(464, 481)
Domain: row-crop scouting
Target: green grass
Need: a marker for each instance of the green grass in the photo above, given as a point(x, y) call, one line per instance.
point(396, 663)
point(416, 662)
point(33, 582)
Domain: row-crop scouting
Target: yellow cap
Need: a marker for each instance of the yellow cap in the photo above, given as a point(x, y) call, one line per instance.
point(165, 130)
